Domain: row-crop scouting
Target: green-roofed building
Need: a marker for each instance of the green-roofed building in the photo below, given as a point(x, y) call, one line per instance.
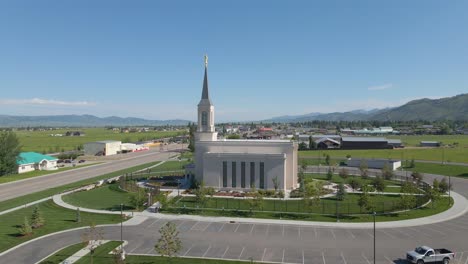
point(29, 161)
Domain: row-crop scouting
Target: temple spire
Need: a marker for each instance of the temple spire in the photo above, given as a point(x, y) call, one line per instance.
point(205, 94)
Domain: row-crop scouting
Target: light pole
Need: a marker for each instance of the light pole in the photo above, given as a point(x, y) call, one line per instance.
point(449, 187)
point(121, 223)
point(374, 235)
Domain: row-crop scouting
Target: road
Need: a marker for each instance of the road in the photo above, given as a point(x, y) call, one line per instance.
point(276, 242)
point(19, 188)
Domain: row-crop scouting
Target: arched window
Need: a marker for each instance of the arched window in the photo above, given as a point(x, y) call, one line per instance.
point(204, 118)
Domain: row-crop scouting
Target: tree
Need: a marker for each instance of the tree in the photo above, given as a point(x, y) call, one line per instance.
point(169, 243)
point(327, 159)
point(343, 173)
point(354, 183)
point(78, 216)
point(275, 183)
point(417, 177)
point(25, 229)
point(387, 172)
point(192, 129)
point(407, 198)
point(341, 193)
point(37, 220)
point(200, 194)
point(364, 169)
point(412, 164)
point(436, 185)
point(312, 193)
point(301, 175)
point(433, 195)
point(302, 146)
point(443, 186)
point(10, 149)
point(312, 144)
point(92, 237)
point(379, 183)
point(256, 202)
point(138, 199)
point(329, 174)
point(364, 199)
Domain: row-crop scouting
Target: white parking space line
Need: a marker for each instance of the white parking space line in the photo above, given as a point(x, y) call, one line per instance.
point(209, 246)
point(180, 224)
point(150, 250)
point(333, 233)
point(268, 229)
point(159, 219)
point(388, 234)
point(344, 260)
point(351, 233)
point(282, 259)
point(204, 229)
point(364, 256)
point(242, 251)
point(389, 260)
point(283, 230)
point(433, 229)
point(450, 224)
point(235, 230)
point(401, 232)
point(188, 250)
point(323, 258)
point(303, 258)
point(315, 231)
point(372, 236)
point(263, 256)
point(225, 251)
point(419, 232)
point(252, 229)
point(299, 232)
point(221, 227)
point(466, 260)
point(191, 228)
point(461, 257)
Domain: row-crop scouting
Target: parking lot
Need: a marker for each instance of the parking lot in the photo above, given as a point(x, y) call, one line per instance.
point(299, 244)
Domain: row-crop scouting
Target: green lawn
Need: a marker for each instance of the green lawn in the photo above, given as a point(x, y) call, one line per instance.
point(63, 254)
point(4, 205)
point(458, 154)
point(383, 203)
point(445, 139)
point(56, 219)
point(441, 169)
point(337, 179)
point(107, 197)
point(439, 206)
point(101, 255)
point(32, 174)
point(170, 165)
point(41, 141)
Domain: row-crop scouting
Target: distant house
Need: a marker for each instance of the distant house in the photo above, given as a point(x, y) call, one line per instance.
point(429, 144)
point(364, 143)
point(30, 161)
point(395, 143)
point(75, 134)
point(327, 143)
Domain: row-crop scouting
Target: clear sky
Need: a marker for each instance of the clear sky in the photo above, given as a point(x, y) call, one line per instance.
point(266, 58)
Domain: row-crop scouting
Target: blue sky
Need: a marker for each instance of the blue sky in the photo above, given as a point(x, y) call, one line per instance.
point(266, 58)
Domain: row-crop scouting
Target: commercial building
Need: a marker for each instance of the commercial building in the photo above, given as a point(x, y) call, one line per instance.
point(240, 164)
point(30, 161)
point(429, 144)
point(102, 148)
point(374, 163)
point(364, 143)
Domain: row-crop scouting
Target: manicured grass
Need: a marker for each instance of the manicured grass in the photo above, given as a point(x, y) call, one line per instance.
point(63, 254)
point(170, 165)
point(338, 179)
point(441, 169)
point(56, 219)
point(107, 197)
point(439, 206)
point(101, 255)
point(49, 192)
point(32, 174)
point(383, 203)
point(456, 154)
point(41, 141)
point(445, 139)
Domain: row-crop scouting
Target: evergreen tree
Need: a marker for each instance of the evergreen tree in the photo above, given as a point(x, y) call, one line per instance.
point(312, 144)
point(169, 243)
point(37, 220)
point(10, 149)
point(329, 174)
point(341, 193)
point(192, 128)
point(25, 229)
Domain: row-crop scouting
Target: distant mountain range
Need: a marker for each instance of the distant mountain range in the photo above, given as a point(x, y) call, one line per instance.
point(82, 121)
point(449, 108)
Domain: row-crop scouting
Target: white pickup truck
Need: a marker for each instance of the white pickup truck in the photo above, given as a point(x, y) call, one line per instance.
point(424, 254)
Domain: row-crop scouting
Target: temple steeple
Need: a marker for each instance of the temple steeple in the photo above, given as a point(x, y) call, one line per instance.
point(205, 128)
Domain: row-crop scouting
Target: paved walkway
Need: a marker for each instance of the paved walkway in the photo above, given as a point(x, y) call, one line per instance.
point(459, 208)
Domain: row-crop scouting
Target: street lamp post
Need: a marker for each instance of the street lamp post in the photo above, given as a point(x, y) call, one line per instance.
point(374, 235)
point(121, 223)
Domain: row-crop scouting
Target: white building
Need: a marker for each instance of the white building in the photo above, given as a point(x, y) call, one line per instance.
point(102, 148)
point(240, 164)
point(30, 161)
point(374, 163)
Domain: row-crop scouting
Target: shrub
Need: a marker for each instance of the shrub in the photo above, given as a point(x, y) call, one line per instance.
point(343, 173)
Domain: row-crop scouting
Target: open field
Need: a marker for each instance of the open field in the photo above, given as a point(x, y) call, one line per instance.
point(56, 219)
point(41, 141)
point(63, 254)
point(4, 205)
point(455, 154)
point(32, 174)
point(441, 169)
point(413, 141)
